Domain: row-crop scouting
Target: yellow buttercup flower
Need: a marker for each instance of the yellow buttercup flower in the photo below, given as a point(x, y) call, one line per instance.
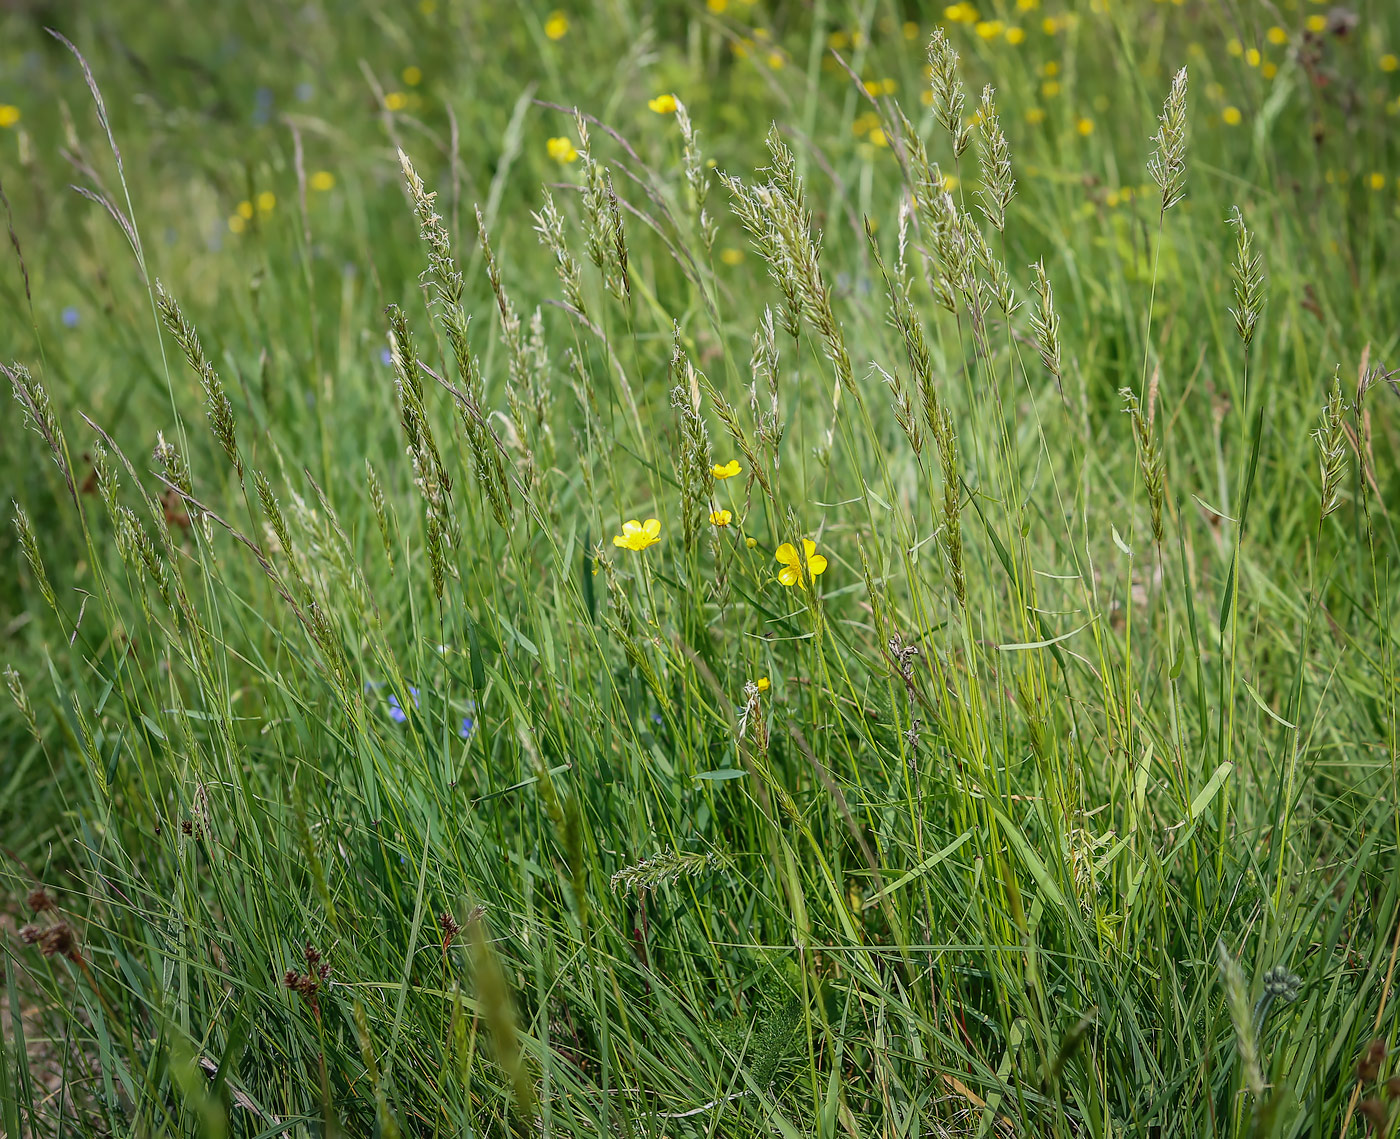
point(727, 470)
point(990, 29)
point(1085, 126)
point(731, 256)
point(9, 115)
point(1232, 116)
point(322, 180)
point(638, 535)
point(1276, 36)
point(412, 76)
point(1390, 62)
point(267, 201)
point(236, 224)
point(763, 684)
point(720, 518)
point(751, 542)
point(245, 209)
point(557, 26)
point(663, 104)
point(562, 150)
point(396, 100)
point(791, 573)
point(1015, 36)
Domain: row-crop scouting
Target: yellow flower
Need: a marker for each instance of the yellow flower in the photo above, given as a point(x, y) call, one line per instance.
point(751, 542)
point(322, 180)
point(777, 60)
point(727, 470)
point(1049, 25)
point(1035, 115)
point(1377, 181)
point(950, 182)
point(562, 150)
point(1317, 23)
point(1028, 5)
point(837, 40)
point(1015, 36)
point(1388, 63)
point(1085, 127)
point(877, 138)
point(720, 518)
point(910, 30)
point(236, 224)
point(717, 6)
point(990, 29)
point(1269, 70)
point(557, 26)
point(267, 200)
point(763, 684)
point(1234, 47)
point(245, 209)
point(1276, 35)
point(638, 535)
point(663, 104)
point(791, 573)
point(1252, 57)
point(396, 100)
point(412, 76)
point(1050, 88)
point(731, 256)
point(9, 115)
point(1231, 116)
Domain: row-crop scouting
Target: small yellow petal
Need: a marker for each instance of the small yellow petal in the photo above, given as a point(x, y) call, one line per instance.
point(786, 553)
point(809, 547)
point(788, 575)
point(652, 527)
point(816, 565)
point(762, 684)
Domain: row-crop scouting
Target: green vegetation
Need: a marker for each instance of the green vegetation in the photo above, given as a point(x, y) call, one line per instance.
point(995, 732)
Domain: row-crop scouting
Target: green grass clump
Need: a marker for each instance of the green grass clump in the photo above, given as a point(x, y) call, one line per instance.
point(792, 597)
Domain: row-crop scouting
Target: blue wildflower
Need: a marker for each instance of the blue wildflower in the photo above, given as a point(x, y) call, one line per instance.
point(396, 711)
point(70, 317)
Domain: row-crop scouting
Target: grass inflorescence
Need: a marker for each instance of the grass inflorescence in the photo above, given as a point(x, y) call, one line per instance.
point(538, 606)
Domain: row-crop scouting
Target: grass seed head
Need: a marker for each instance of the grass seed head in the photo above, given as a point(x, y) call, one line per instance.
point(1167, 166)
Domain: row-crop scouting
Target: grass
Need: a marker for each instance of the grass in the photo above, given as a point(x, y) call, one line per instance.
point(372, 787)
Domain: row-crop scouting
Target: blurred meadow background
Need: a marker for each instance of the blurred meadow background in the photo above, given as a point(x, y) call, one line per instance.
point(697, 569)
